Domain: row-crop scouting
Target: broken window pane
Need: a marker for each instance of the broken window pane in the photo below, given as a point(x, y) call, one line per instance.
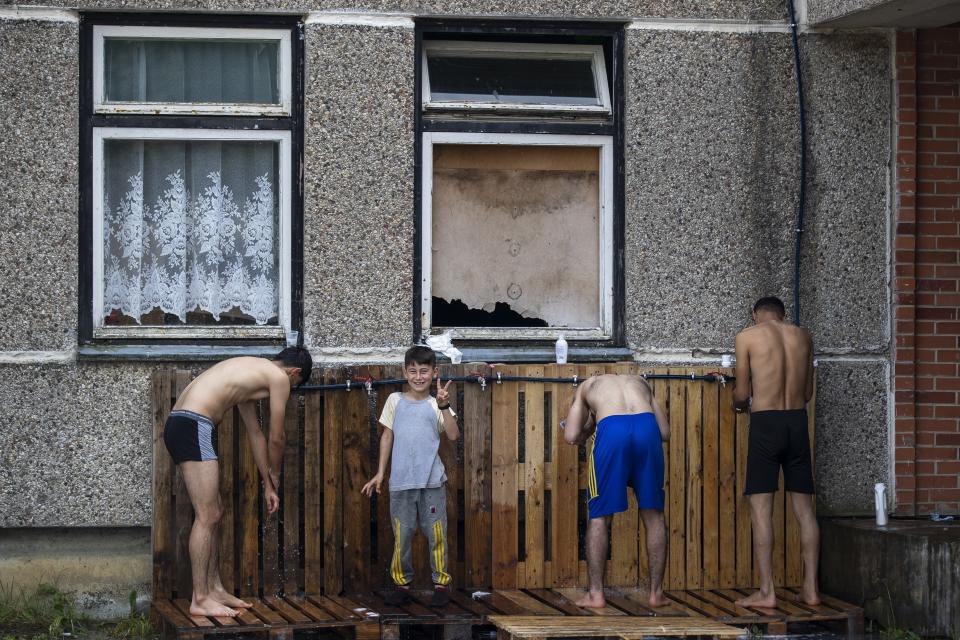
point(516, 236)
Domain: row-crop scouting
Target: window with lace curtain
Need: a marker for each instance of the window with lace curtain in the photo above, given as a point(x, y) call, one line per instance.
point(190, 189)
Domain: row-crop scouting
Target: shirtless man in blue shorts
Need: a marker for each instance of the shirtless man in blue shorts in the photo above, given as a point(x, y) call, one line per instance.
point(191, 438)
point(628, 428)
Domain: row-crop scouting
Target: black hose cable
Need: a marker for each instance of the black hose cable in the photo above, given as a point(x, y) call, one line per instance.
point(361, 384)
point(803, 166)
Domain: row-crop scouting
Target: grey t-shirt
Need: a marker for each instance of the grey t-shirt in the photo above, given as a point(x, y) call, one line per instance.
point(415, 459)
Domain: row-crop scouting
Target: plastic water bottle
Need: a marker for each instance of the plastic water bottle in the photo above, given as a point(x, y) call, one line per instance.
point(561, 349)
point(880, 503)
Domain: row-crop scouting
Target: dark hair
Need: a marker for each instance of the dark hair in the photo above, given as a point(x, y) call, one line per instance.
point(770, 303)
point(297, 358)
point(419, 355)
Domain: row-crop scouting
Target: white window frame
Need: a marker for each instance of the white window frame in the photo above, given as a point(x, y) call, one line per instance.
point(285, 179)
point(515, 50)
point(606, 249)
point(100, 105)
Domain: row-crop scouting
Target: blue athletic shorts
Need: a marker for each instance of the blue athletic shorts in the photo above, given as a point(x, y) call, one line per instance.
point(627, 451)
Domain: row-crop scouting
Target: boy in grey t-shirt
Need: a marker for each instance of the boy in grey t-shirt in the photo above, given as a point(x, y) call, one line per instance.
point(413, 421)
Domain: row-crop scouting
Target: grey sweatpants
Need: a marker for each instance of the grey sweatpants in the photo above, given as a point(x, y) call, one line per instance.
point(431, 505)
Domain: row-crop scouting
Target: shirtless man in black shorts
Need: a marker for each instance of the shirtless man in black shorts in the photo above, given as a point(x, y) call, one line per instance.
point(775, 383)
point(190, 437)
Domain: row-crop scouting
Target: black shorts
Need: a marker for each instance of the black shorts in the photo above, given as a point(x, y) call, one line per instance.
point(779, 438)
point(190, 436)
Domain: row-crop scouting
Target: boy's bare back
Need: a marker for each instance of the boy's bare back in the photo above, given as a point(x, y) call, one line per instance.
point(230, 383)
point(777, 359)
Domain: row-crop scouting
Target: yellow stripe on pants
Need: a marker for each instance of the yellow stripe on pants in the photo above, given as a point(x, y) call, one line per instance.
point(396, 567)
point(439, 553)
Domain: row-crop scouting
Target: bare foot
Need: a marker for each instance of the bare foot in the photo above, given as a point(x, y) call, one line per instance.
point(210, 607)
point(228, 600)
point(592, 600)
point(758, 600)
point(657, 599)
point(809, 596)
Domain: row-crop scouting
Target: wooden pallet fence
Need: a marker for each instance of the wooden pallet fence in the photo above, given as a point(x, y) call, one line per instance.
point(515, 492)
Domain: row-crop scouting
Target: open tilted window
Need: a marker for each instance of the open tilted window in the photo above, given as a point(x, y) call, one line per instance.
point(515, 76)
point(190, 208)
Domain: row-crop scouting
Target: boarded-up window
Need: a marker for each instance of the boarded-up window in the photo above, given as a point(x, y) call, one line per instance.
point(516, 236)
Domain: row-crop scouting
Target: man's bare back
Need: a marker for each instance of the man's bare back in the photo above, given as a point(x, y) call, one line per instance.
point(774, 366)
point(612, 394)
point(231, 383)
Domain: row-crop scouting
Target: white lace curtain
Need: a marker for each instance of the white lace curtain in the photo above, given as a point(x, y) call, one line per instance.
point(190, 226)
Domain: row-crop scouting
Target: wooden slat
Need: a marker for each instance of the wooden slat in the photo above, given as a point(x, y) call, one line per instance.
point(661, 391)
point(385, 529)
point(332, 488)
point(269, 528)
point(744, 540)
point(315, 613)
point(676, 527)
point(183, 513)
point(172, 614)
point(341, 608)
point(563, 480)
point(312, 495)
point(504, 487)
point(573, 594)
point(624, 539)
point(356, 472)
point(292, 481)
point(454, 485)
point(728, 480)
point(630, 607)
point(694, 445)
point(623, 627)
point(183, 605)
point(711, 483)
point(504, 605)
point(287, 610)
point(248, 619)
point(529, 603)
point(163, 477)
point(534, 478)
point(266, 613)
point(477, 443)
point(248, 540)
point(226, 437)
point(467, 603)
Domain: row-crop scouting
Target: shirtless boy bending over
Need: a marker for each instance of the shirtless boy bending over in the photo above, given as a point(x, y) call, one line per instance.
point(190, 436)
point(775, 369)
point(626, 450)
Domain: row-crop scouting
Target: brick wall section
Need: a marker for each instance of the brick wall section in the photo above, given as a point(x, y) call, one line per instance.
point(927, 273)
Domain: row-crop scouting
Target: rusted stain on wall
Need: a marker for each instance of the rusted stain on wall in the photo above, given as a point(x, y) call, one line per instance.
point(518, 225)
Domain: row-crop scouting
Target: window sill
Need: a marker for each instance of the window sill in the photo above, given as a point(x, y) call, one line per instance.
point(173, 352)
point(534, 354)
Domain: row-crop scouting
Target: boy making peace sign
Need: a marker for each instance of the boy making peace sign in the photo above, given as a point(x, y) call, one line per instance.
point(413, 421)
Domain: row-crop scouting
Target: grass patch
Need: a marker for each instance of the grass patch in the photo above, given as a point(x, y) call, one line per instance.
point(47, 613)
point(135, 625)
point(44, 612)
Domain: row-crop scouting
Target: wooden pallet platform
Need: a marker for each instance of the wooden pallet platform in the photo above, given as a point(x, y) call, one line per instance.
point(274, 617)
point(625, 627)
point(720, 604)
point(371, 617)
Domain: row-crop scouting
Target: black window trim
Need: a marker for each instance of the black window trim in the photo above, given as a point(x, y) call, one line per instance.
point(505, 30)
point(88, 121)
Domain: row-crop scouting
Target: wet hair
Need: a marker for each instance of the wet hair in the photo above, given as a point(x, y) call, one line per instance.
point(770, 303)
point(419, 355)
point(297, 358)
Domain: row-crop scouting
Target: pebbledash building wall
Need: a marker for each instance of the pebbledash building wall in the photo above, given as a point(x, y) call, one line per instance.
point(704, 134)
